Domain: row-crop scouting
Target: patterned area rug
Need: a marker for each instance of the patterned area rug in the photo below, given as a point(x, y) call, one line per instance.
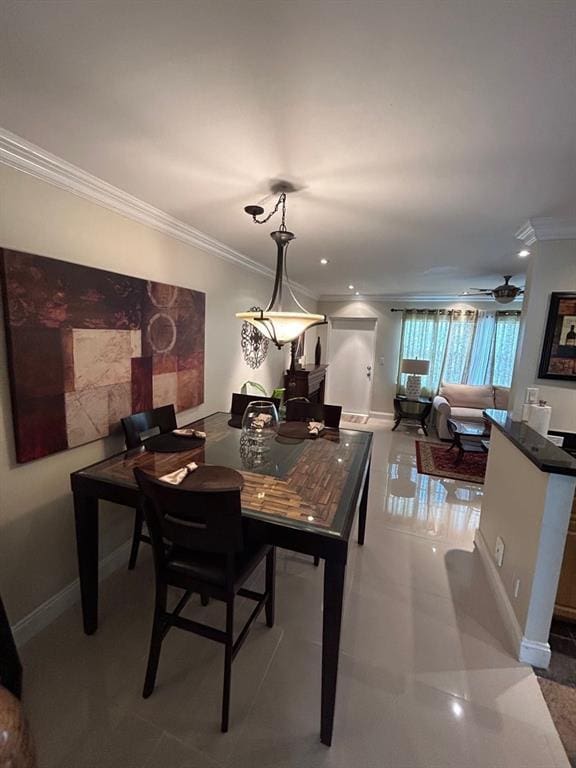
point(435, 459)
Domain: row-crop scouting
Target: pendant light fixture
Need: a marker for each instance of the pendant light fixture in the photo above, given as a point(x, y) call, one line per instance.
point(274, 322)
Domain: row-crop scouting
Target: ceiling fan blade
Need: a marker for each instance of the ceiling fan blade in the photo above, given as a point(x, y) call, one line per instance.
point(482, 290)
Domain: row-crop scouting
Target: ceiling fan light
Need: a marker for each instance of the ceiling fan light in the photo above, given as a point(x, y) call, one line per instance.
point(504, 298)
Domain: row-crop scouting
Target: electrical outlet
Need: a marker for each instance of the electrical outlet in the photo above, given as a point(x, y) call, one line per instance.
point(499, 552)
point(516, 587)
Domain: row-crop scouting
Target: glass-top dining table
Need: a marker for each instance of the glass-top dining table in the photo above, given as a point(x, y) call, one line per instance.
point(300, 494)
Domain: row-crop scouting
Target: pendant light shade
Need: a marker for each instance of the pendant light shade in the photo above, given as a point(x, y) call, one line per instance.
point(281, 327)
point(273, 322)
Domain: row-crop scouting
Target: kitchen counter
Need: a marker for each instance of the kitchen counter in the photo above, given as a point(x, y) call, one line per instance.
point(547, 456)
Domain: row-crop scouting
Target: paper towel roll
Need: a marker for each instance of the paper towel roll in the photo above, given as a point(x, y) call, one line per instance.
point(539, 418)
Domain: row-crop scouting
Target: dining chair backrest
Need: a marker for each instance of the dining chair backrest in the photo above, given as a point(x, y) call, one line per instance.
point(299, 410)
point(202, 521)
point(240, 402)
point(163, 418)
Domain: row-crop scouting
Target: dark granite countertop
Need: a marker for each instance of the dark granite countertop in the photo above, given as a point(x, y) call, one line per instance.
point(541, 452)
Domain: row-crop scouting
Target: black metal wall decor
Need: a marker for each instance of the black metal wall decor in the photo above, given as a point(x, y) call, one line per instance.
point(254, 344)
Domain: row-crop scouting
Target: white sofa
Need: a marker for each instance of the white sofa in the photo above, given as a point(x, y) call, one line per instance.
point(465, 401)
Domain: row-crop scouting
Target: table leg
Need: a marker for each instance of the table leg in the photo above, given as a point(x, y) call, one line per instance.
point(334, 573)
point(396, 422)
point(86, 518)
point(10, 666)
point(424, 428)
point(362, 512)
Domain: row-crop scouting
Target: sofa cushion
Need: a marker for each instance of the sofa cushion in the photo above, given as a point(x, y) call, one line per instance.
point(468, 396)
point(466, 414)
point(501, 395)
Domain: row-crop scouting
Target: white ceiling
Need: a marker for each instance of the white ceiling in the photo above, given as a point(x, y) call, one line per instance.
point(423, 133)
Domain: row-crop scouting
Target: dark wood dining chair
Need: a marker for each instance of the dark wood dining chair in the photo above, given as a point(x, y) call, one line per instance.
point(199, 545)
point(301, 410)
point(136, 428)
point(239, 404)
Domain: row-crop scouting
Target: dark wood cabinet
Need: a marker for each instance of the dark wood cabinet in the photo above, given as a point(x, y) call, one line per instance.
point(307, 382)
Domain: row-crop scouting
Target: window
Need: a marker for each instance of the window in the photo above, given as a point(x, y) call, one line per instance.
point(463, 347)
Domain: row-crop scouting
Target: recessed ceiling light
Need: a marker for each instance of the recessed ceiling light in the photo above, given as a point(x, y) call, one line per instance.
point(323, 261)
point(357, 293)
point(523, 253)
point(351, 287)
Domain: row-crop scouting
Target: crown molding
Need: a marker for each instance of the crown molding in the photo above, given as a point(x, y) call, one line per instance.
point(391, 298)
point(546, 228)
point(21, 154)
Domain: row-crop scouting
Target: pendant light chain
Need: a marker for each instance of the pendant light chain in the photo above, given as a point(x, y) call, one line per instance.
point(280, 202)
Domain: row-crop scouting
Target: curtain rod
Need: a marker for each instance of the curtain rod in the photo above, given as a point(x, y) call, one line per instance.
point(459, 311)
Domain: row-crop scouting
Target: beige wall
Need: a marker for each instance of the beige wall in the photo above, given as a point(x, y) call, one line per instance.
point(552, 268)
point(530, 510)
point(37, 549)
point(388, 333)
point(512, 507)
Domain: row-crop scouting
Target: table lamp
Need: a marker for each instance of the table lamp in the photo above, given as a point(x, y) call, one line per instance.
point(415, 370)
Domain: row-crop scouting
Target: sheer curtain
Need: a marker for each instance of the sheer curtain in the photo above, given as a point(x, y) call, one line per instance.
point(424, 336)
point(463, 346)
point(505, 343)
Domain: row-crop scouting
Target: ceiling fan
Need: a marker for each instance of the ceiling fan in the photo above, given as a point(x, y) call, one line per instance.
point(503, 294)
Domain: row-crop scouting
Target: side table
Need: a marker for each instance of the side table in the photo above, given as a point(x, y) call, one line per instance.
point(412, 409)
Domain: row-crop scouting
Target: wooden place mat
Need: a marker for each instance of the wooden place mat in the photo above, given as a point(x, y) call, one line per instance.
point(297, 430)
point(169, 443)
point(210, 477)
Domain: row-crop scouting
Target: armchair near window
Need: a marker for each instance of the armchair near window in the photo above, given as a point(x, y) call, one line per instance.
point(466, 401)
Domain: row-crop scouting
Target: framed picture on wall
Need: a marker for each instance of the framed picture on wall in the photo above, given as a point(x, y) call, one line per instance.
point(558, 360)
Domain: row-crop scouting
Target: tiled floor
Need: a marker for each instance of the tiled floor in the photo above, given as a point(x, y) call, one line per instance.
point(426, 677)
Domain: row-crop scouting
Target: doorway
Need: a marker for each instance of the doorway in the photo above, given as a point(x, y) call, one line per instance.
point(351, 344)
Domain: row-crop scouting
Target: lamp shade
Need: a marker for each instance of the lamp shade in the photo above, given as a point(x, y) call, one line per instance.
point(415, 367)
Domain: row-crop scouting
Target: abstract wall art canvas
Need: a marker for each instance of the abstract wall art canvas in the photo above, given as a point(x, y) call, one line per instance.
point(87, 347)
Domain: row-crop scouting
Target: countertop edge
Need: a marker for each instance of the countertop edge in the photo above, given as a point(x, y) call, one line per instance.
point(544, 454)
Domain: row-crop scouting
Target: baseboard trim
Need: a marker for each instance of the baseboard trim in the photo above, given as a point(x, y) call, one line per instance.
point(55, 606)
point(383, 415)
point(535, 653)
point(528, 651)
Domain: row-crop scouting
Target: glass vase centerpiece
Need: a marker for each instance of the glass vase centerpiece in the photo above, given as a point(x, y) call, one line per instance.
point(260, 424)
